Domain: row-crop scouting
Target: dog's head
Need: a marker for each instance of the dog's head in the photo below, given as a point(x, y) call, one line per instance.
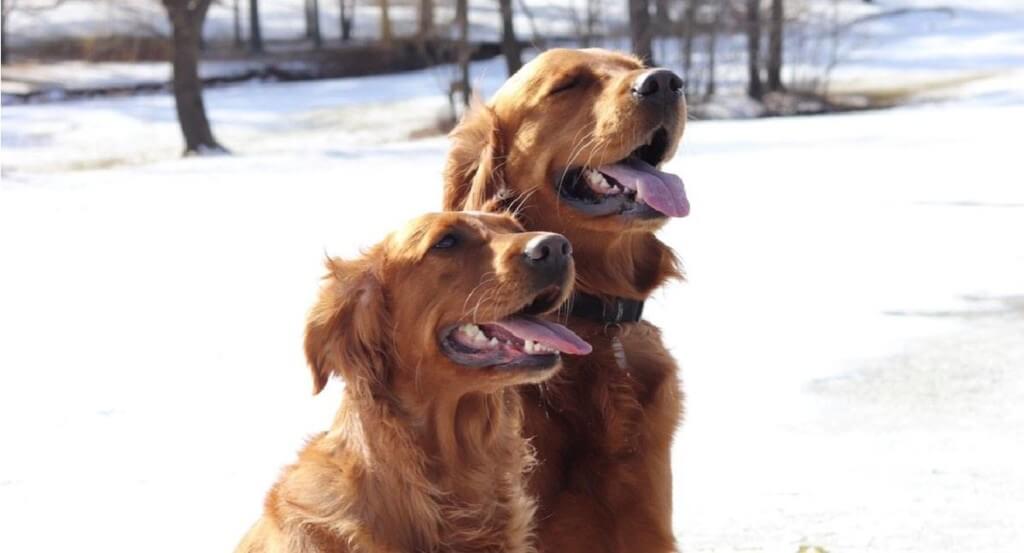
point(573, 141)
point(449, 302)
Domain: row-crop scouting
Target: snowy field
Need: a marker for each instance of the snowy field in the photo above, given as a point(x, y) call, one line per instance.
point(851, 333)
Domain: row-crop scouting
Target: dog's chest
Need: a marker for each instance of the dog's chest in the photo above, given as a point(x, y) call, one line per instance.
point(617, 390)
point(494, 528)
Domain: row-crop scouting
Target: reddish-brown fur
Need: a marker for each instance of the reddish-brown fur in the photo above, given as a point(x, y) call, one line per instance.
point(603, 427)
point(424, 454)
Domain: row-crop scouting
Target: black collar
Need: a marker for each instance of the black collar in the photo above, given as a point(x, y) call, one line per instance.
point(613, 311)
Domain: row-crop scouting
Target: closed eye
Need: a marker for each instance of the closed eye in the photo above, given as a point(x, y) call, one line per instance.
point(566, 84)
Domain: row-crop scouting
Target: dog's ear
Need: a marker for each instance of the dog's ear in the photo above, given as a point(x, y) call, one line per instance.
point(474, 177)
point(346, 329)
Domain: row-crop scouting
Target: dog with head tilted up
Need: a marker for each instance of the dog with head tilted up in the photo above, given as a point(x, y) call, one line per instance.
point(572, 143)
point(430, 330)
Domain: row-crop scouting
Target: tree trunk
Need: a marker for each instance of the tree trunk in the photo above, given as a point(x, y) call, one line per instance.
point(308, 18)
point(509, 43)
point(426, 18)
point(186, 18)
point(640, 30)
point(346, 20)
point(689, 29)
point(593, 13)
point(385, 21)
point(5, 54)
point(462, 23)
point(716, 22)
point(775, 37)
point(236, 13)
point(754, 87)
point(662, 16)
point(255, 35)
point(313, 23)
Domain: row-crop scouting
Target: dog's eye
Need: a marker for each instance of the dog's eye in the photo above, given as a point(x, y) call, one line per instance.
point(566, 84)
point(447, 241)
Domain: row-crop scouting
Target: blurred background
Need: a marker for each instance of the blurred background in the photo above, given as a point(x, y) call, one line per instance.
point(851, 331)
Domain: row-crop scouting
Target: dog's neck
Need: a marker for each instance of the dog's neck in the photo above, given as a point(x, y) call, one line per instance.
point(433, 461)
point(626, 265)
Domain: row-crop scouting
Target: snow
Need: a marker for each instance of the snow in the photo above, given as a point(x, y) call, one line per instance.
point(73, 75)
point(880, 240)
point(851, 332)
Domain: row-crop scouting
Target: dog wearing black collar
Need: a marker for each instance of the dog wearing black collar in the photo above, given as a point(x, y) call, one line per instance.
point(573, 143)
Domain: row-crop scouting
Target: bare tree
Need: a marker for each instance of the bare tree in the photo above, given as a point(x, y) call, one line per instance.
point(385, 21)
point(775, 39)
point(426, 19)
point(7, 7)
point(462, 24)
point(640, 30)
point(755, 89)
point(662, 16)
point(535, 35)
point(509, 42)
point(313, 23)
point(585, 24)
point(716, 23)
point(255, 34)
point(590, 22)
point(236, 21)
point(347, 12)
point(689, 29)
point(186, 17)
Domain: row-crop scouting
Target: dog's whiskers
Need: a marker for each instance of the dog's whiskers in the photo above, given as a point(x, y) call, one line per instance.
point(488, 276)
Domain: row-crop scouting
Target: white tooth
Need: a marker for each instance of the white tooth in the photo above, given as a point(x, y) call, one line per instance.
point(599, 183)
point(494, 342)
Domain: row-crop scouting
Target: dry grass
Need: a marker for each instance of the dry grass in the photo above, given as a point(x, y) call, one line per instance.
point(875, 95)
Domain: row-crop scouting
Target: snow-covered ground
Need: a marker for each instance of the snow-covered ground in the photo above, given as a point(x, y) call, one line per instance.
point(851, 333)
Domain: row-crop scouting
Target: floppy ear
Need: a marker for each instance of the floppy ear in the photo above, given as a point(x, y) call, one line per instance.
point(345, 332)
point(474, 177)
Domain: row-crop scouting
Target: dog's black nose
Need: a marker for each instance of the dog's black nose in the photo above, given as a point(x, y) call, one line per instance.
point(658, 85)
point(548, 251)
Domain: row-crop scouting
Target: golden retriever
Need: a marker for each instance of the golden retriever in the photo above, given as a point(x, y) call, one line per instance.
point(429, 329)
point(572, 144)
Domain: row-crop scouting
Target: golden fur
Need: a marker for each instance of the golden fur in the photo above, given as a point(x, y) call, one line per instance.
point(424, 454)
point(603, 427)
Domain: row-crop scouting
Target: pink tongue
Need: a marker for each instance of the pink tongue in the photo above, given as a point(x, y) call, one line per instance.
point(658, 189)
point(552, 335)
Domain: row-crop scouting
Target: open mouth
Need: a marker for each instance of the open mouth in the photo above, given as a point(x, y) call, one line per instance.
point(517, 341)
point(633, 186)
